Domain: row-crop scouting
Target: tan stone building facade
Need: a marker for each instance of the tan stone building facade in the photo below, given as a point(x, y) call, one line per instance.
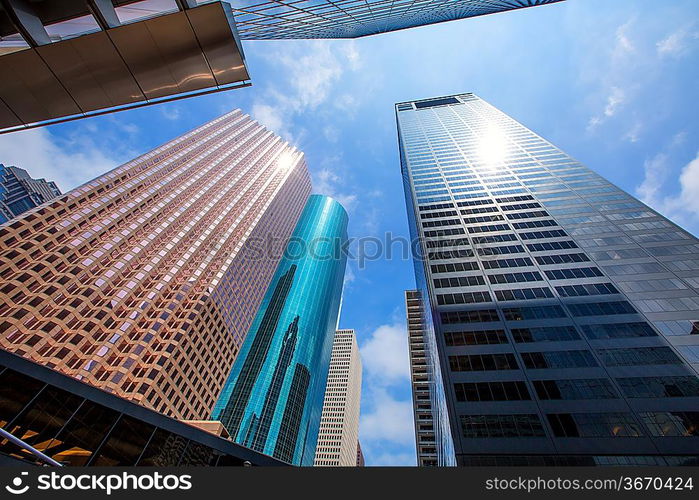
point(338, 438)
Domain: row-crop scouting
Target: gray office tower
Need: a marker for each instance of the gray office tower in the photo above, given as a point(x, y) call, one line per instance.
point(561, 313)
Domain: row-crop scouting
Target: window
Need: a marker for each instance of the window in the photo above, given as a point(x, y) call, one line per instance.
point(551, 245)
point(585, 290)
point(501, 426)
point(593, 425)
point(436, 102)
point(578, 272)
point(601, 309)
point(475, 337)
point(500, 250)
point(617, 330)
point(492, 391)
point(537, 235)
point(483, 362)
point(489, 229)
point(584, 388)
point(496, 238)
point(83, 434)
point(524, 294)
point(544, 334)
point(446, 243)
point(534, 224)
point(454, 267)
point(458, 281)
point(478, 316)
point(672, 424)
point(562, 259)
point(659, 387)
point(463, 298)
point(639, 356)
point(558, 359)
point(514, 277)
point(690, 352)
point(451, 254)
point(125, 443)
point(505, 263)
point(672, 328)
point(528, 215)
point(541, 312)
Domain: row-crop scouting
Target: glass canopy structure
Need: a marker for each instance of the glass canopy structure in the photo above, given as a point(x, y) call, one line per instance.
point(277, 19)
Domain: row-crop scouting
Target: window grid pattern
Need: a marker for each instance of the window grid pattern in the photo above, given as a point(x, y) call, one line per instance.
point(557, 234)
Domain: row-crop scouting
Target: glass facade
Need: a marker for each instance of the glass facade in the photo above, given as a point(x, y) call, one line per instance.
point(19, 192)
point(562, 311)
point(260, 20)
point(78, 425)
point(273, 398)
point(145, 280)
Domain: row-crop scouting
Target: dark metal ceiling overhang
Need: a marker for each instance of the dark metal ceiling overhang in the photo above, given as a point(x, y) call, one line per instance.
point(189, 52)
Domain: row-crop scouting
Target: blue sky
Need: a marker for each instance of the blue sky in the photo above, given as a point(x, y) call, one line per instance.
point(613, 83)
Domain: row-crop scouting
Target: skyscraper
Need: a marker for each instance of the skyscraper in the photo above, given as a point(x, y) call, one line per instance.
point(273, 398)
point(259, 20)
point(360, 455)
point(338, 439)
point(425, 386)
point(145, 280)
point(562, 312)
point(19, 192)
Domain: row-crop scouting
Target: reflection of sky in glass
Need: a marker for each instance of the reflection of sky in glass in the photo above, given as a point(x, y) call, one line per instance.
point(259, 19)
point(72, 27)
point(145, 9)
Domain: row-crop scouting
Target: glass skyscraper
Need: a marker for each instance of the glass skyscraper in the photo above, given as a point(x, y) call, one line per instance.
point(273, 398)
point(561, 314)
point(142, 281)
point(19, 192)
point(260, 20)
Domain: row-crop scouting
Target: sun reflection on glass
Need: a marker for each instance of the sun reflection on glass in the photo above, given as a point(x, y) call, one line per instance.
point(285, 160)
point(492, 146)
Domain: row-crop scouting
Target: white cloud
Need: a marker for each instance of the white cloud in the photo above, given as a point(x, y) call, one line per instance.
point(170, 112)
point(309, 71)
point(390, 422)
point(347, 103)
point(633, 135)
point(689, 182)
point(331, 133)
point(677, 44)
point(683, 205)
point(624, 45)
point(328, 180)
point(69, 162)
point(385, 354)
point(271, 117)
point(655, 172)
point(615, 99)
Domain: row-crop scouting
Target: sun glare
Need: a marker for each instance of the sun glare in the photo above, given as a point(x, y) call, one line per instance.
point(285, 160)
point(492, 146)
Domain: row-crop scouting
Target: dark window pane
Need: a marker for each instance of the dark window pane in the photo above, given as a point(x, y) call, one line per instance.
point(125, 443)
point(39, 423)
point(164, 449)
point(198, 454)
point(82, 435)
point(16, 390)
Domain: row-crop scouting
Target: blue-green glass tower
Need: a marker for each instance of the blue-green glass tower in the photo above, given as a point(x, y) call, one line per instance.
point(273, 398)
